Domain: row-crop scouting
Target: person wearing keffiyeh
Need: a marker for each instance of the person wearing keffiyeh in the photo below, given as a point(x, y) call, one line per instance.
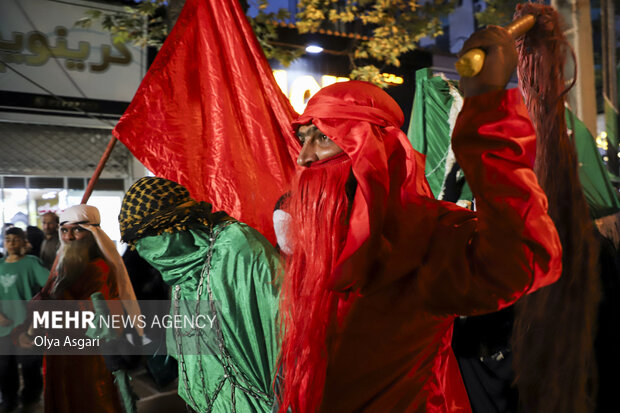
point(208, 257)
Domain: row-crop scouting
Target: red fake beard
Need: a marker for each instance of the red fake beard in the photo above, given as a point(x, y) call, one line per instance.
point(319, 208)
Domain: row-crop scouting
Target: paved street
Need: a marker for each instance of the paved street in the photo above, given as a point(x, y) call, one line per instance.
point(150, 399)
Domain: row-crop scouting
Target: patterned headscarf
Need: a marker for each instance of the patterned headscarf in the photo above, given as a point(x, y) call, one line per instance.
point(154, 205)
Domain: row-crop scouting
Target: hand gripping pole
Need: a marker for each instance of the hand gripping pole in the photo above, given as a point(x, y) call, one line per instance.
point(470, 64)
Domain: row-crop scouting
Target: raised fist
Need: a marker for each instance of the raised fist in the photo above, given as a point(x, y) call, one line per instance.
point(499, 63)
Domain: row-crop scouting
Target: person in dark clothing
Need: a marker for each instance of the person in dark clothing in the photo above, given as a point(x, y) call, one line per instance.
point(145, 280)
point(50, 245)
point(482, 346)
point(35, 238)
point(21, 276)
point(607, 340)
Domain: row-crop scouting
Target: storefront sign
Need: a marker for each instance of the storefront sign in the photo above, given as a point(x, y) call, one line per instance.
point(53, 72)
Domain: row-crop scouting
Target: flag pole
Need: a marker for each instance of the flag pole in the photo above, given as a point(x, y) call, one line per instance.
point(95, 177)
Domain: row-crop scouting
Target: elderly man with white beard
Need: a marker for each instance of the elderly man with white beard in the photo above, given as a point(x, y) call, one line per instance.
point(88, 262)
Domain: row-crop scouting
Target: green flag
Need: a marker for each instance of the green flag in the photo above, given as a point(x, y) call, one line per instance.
point(430, 129)
point(600, 193)
point(429, 133)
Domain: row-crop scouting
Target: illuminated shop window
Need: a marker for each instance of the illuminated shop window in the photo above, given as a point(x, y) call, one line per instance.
point(24, 199)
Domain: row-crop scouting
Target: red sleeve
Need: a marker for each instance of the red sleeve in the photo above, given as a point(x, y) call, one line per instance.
point(96, 278)
point(484, 261)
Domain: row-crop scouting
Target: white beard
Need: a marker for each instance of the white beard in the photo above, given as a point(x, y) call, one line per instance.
point(74, 257)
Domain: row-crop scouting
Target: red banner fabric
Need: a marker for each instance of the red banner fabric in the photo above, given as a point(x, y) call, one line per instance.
point(210, 116)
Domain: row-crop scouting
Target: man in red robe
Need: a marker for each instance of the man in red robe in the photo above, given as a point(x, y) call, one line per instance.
point(88, 262)
point(380, 269)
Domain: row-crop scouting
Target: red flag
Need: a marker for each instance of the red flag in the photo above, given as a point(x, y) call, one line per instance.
point(210, 116)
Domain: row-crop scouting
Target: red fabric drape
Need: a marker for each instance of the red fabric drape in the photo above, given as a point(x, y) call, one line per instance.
point(365, 122)
point(210, 116)
point(415, 263)
point(82, 383)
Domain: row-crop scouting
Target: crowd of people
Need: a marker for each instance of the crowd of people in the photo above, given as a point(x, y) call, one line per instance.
point(354, 309)
point(21, 276)
point(24, 269)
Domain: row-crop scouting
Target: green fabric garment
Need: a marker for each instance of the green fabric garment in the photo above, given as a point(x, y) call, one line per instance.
point(100, 330)
point(239, 272)
point(611, 123)
point(125, 392)
point(19, 280)
point(597, 187)
point(429, 133)
point(429, 130)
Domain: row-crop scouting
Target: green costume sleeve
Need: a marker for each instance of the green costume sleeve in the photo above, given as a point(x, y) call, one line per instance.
point(236, 267)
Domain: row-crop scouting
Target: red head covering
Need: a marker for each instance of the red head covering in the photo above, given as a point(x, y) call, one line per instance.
point(365, 122)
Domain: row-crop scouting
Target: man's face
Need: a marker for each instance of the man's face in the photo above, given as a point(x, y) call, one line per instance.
point(13, 244)
point(72, 232)
point(50, 224)
point(315, 145)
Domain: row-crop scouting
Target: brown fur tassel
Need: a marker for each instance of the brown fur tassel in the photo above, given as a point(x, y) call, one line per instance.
point(554, 328)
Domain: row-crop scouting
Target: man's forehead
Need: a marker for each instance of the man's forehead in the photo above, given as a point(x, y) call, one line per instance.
point(308, 127)
point(73, 224)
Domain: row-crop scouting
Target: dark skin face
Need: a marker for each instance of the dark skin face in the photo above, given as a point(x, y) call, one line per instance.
point(316, 146)
point(72, 232)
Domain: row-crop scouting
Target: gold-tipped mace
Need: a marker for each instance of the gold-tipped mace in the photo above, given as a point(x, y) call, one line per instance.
point(470, 64)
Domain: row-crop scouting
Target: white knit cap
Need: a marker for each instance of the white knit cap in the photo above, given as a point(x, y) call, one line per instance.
point(80, 214)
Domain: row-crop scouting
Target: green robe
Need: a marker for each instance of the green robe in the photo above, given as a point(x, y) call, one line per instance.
point(237, 266)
